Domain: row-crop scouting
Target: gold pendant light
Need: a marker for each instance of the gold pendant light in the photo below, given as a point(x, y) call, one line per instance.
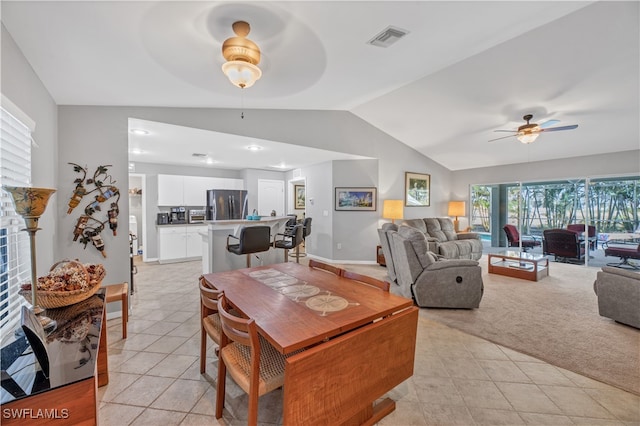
point(242, 57)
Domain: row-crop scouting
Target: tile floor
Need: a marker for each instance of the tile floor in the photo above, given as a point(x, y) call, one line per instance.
point(458, 379)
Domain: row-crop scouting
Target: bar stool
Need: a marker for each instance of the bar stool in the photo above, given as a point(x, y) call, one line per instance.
point(306, 230)
point(291, 238)
point(120, 292)
point(252, 239)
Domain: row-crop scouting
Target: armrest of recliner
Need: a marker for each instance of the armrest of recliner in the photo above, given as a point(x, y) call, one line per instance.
point(451, 263)
point(468, 236)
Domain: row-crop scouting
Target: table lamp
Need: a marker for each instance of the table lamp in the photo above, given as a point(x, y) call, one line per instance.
point(392, 209)
point(456, 208)
point(31, 203)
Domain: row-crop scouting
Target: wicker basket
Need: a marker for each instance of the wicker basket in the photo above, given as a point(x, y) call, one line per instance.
point(49, 299)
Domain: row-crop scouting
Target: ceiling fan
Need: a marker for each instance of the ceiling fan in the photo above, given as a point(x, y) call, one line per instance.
point(529, 132)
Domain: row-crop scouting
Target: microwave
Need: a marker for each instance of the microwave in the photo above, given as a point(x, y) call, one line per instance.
point(197, 216)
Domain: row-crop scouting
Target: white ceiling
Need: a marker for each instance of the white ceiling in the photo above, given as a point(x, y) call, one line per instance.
point(465, 69)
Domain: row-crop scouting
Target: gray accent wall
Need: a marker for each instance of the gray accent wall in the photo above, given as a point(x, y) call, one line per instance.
point(23, 87)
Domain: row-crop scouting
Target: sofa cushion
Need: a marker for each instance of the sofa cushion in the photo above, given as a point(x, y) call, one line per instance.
point(416, 223)
point(441, 228)
point(419, 243)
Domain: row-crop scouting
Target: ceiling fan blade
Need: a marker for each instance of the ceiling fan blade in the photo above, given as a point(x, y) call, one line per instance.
point(555, 129)
point(548, 123)
point(504, 137)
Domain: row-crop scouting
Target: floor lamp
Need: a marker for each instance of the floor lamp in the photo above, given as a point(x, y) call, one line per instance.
point(31, 203)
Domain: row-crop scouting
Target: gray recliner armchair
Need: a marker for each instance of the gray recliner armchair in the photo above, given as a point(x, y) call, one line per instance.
point(433, 283)
point(618, 293)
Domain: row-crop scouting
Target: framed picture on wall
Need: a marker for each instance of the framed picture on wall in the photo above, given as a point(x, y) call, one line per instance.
point(299, 193)
point(417, 191)
point(356, 199)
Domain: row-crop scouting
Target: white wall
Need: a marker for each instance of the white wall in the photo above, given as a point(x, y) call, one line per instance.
point(355, 231)
point(22, 86)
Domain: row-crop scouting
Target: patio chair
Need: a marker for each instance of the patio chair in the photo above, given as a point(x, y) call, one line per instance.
point(579, 229)
point(513, 237)
point(565, 245)
point(624, 253)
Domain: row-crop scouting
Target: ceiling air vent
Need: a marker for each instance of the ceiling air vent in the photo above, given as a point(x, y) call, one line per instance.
point(197, 154)
point(388, 36)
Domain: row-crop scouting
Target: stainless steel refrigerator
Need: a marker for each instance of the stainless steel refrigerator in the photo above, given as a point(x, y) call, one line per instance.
point(226, 204)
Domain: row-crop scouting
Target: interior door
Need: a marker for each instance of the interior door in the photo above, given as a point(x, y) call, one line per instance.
point(270, 197)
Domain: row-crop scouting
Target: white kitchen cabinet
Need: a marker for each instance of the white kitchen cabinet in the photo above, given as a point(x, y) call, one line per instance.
point(195, 190)
point(172, 243)
point(170, 190)
point(176, 190)
point(178, 243)
point(194, 240)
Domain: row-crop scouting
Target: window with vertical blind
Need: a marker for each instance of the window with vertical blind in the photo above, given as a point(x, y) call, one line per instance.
point(15, 170)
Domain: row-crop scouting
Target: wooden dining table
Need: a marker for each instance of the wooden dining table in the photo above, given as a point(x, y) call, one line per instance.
point(347, 343)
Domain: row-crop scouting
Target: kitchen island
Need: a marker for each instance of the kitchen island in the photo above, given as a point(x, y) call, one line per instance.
point(216, 258)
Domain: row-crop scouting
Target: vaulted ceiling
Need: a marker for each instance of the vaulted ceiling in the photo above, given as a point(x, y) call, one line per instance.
point(464, 69)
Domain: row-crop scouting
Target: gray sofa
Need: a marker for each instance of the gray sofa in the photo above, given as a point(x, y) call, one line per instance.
point(618, 293)
point(432, 283)
point(444, 241)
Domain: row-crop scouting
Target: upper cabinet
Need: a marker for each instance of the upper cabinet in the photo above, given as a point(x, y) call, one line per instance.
point(176, 190)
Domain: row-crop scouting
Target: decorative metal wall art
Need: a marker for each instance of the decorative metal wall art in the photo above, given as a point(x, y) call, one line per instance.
point(89, 225)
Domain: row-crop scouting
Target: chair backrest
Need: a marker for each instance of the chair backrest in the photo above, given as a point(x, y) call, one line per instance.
point(292, 238)
point(325, 267)
point(241, 330)
point(382, 285)
point(579, 227)
point(208, 299)
point(254, 239)
point(562, 243)
point(513, 236)
point(306, 223)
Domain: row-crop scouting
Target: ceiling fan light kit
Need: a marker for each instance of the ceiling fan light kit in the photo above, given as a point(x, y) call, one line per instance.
point(528, 133)
point(242, 56)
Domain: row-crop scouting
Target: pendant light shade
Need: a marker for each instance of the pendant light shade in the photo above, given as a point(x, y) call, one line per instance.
point(242, 57)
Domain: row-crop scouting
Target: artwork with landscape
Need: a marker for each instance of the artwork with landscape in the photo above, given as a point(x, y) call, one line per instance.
point(299, 191)
point(417, 189)
point(356, 199)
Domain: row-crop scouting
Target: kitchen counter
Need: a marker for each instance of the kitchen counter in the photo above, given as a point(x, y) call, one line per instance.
point(170, 225)
point(216, 257)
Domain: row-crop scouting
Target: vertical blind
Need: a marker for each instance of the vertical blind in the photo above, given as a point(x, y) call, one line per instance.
point(15, 265)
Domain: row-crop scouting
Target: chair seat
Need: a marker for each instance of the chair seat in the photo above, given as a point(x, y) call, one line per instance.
point(237, 357)
point(631, 253)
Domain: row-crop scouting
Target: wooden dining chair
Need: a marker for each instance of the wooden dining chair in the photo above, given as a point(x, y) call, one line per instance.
point(382, 285)
point(209, 320)
point(253, 363)
point(326, 267)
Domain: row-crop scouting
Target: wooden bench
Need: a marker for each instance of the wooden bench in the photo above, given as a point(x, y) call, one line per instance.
point(119, 292)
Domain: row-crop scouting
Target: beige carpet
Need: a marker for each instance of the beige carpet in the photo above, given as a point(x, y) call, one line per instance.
point(555, 320)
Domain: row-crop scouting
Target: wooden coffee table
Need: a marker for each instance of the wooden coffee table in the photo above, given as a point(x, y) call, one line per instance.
point(516, 264)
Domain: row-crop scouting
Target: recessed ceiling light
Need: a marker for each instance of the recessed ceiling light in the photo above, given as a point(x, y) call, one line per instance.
point(136, 151)
point(210, 161)
point(254, 147)
point(139, 132)
point(279, 166)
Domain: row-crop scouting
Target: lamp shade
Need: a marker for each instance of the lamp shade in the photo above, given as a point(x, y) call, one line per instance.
point(456, 208)
point(527, 138)
point(392, 209)
point(243, 57)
